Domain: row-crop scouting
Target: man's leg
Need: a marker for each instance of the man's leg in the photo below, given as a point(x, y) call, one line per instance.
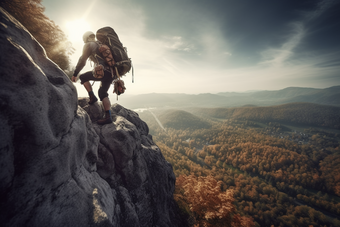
point(106, 103)
point(103, 95)
point(85, 81)
point(87, 86)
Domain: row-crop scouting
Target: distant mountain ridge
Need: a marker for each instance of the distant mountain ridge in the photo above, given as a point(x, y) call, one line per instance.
point(326, 96)
point(292, 113)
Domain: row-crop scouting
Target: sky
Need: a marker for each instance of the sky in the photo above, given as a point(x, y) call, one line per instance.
point(211, 46)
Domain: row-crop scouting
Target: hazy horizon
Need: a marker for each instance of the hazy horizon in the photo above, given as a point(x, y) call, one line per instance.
point(82, 93)
point(248, 91)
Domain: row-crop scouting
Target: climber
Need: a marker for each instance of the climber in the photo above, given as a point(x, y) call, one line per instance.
point(90, 50)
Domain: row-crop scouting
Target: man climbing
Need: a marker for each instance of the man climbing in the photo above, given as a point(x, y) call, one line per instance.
point(91, 51)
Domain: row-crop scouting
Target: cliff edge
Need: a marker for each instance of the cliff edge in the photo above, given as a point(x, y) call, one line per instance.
point(60, 169)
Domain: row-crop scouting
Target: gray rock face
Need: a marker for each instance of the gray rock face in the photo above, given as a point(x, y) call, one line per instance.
point(57, 168)
point(143, 180)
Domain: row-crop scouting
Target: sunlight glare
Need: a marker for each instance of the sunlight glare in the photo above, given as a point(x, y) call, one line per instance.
point(76, 29)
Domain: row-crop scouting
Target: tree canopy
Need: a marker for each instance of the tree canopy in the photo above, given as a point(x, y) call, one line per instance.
point(30, 13)
point(280, 175)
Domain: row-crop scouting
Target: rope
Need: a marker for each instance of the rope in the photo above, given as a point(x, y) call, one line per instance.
point(132, 73)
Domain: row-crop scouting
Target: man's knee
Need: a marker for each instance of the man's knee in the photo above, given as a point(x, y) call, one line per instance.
point(102, 94)
point(82, 80)
point(85, 77)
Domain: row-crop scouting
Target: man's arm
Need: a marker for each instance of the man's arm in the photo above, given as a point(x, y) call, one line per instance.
point(82, 61)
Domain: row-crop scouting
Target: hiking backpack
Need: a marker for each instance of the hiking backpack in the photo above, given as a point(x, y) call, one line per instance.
point(108, 37)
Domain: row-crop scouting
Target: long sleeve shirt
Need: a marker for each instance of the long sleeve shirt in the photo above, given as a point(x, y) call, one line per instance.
point(89, 51)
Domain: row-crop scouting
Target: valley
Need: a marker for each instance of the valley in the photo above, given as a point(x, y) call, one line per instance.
point(283, 173)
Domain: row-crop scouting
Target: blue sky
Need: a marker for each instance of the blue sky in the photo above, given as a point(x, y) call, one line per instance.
point(210, 46)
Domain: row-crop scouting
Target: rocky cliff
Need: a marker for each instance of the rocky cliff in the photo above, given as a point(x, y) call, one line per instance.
point(57, 168)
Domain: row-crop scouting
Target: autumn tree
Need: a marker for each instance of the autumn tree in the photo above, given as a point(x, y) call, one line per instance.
point(30, 13)
point(210, 206)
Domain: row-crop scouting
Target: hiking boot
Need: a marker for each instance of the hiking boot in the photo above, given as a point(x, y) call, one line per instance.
point(106, 120)
point(93, 99)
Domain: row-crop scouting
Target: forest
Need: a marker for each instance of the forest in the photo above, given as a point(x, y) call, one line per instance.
point(272, 174)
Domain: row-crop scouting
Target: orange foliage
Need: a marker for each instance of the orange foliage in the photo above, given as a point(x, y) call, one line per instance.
point(265, 172)
point(30, 14)
point(330, 168)
point(210, 206)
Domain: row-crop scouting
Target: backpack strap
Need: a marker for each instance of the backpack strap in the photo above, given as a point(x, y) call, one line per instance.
point(117, 73)
point(132, 73)
point(118, 76)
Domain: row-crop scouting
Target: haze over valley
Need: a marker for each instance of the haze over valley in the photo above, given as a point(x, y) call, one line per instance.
point(327, 96)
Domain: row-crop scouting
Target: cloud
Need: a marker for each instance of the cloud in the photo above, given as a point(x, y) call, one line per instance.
point(277, 57)
point(299, 31)
point(177, 43)
point(321, 8)
point(199, 46)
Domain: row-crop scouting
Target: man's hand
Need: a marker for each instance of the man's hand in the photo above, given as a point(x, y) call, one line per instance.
point(74, 79)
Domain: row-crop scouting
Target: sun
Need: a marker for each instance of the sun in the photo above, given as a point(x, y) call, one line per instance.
point(76, 29)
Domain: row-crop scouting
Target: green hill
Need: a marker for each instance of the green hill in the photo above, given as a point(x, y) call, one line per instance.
point(179, 119)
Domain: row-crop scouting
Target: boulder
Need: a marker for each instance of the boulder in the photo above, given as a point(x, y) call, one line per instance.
point(141, 177)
